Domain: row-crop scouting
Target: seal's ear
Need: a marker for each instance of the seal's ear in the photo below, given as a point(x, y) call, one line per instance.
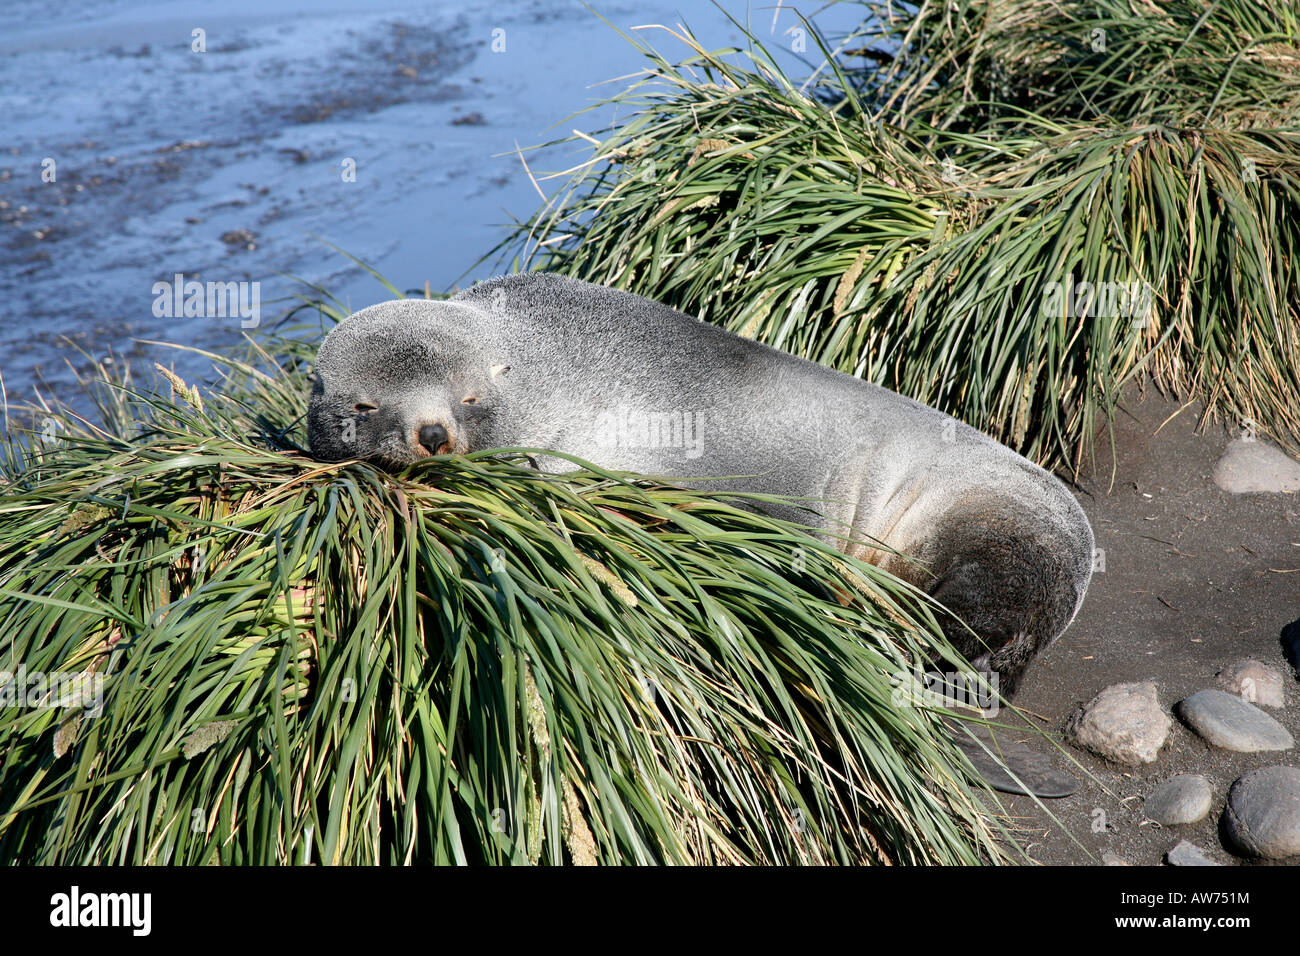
point(499, 370)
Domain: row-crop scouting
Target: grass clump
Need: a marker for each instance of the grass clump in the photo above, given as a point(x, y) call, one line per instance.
point(471, 662)
point(1003, 209)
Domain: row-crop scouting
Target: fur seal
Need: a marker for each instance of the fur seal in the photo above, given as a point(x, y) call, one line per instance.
point(543, 361)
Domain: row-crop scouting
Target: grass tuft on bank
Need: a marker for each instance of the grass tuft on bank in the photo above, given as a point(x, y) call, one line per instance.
point(265, 659)
point(1003, 209)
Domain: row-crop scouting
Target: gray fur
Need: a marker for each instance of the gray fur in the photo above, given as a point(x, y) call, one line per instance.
point(553, 362)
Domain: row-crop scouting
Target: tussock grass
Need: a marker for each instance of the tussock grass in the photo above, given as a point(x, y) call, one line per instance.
point(471, 662)
point(903, 214)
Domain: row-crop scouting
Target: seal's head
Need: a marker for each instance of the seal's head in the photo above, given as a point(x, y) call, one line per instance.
point(401, 381)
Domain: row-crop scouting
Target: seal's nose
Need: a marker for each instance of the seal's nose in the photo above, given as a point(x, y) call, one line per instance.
point(433, 438)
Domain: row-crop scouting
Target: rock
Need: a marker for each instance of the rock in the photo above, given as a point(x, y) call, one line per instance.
point(1262, 818)
point(1181, 799)
point(1123, 723)
point(1189, 854)
point(1229, 722)
point(1252, 466)
point(1110, 859)
point(240, 237)
point(1253, 682)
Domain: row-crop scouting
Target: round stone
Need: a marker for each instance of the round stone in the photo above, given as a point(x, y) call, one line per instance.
point(1252, 466)
point(1262, 818)
point(1254, 682)
point(1227, 721)
point(1123, 723)
point(1181, 799)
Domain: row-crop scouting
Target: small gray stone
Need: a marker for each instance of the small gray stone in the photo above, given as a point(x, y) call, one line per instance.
point(1123, 723)
point(1189, 854)
point(1262, 817)
point(1229, 722)
point(1252, 466)
point(1110, 859)
point(1181, 799)
point(1253, 682)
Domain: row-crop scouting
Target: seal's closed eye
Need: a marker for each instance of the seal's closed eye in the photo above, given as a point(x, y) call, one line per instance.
point(362, 407)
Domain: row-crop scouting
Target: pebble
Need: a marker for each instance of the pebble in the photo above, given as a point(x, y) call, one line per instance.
point(1189, 854)
point(1181, 799)
point(1262, 818)
point(1252, 466)
point(1229, 722)
point(1254, 682)
point(1123, 723)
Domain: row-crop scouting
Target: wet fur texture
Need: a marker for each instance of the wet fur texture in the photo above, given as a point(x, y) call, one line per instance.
point(543, 361)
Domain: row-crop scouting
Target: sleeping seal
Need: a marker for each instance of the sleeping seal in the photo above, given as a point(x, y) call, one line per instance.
point(542, 361)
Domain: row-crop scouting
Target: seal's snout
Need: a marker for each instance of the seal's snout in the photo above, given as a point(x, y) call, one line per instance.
point(435, 440)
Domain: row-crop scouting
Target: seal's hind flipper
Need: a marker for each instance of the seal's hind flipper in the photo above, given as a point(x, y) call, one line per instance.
point(1010, 766)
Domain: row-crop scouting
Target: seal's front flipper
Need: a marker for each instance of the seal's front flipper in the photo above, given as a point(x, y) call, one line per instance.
point(1010, 766)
